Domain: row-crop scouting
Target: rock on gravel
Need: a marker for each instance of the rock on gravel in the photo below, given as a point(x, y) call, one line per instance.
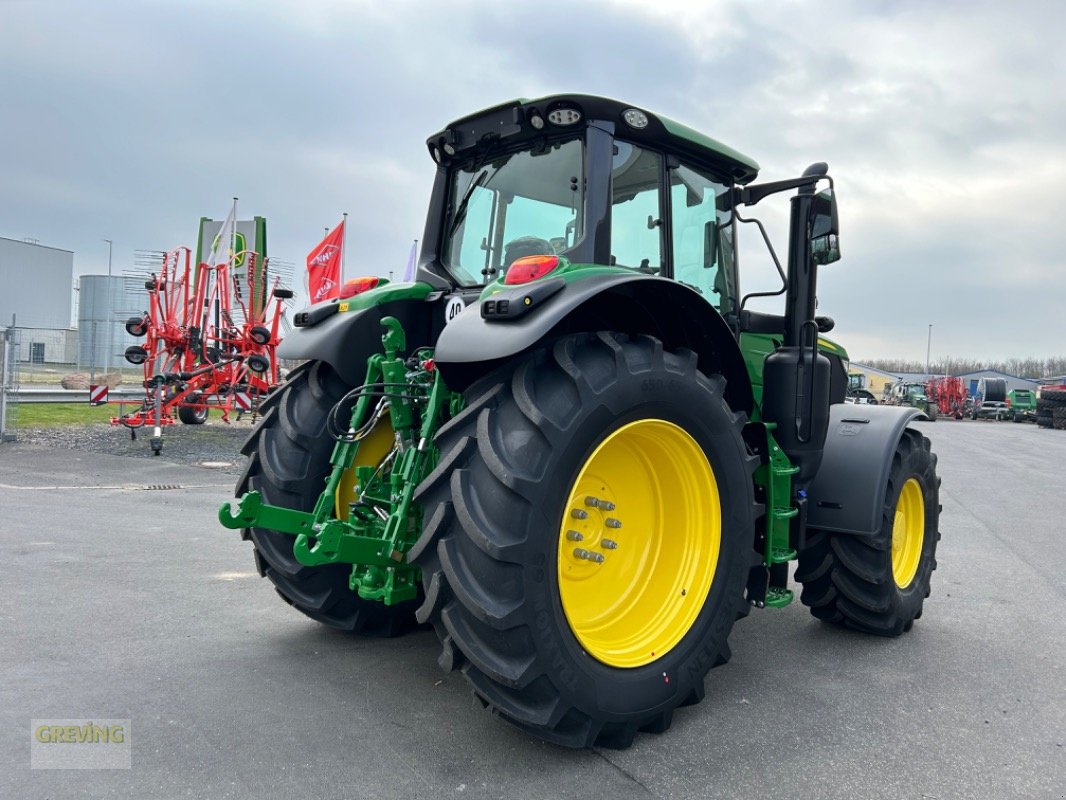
point(215, 444)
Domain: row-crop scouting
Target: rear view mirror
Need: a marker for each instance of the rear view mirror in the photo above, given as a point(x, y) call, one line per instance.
point(824, 228)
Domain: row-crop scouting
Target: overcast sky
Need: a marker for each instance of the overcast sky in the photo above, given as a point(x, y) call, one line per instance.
point(944, 125)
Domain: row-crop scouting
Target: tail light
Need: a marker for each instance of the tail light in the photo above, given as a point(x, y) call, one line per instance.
point(529, 268)
point(358, 285)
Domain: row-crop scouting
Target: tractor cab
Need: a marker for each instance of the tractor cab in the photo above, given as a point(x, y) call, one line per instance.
point(588, 181)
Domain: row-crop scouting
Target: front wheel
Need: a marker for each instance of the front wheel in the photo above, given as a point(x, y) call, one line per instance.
point(877, 583)
point(588, 535)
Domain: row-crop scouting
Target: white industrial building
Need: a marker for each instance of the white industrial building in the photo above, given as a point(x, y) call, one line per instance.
point(35, 299)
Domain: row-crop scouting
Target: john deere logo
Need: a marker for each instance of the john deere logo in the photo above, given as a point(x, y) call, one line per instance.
point(241, 244)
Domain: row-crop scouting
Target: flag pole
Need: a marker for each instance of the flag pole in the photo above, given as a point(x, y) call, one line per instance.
point(344, 247)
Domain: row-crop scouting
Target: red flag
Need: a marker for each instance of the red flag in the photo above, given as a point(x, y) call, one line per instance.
point(324, 266)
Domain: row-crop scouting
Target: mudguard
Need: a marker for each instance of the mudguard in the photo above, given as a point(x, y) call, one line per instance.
point(345, 339)
point(482, 338)
point(848, 493)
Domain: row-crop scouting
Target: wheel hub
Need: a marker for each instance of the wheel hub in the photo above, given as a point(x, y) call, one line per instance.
point(638, 543)
point(908, 533)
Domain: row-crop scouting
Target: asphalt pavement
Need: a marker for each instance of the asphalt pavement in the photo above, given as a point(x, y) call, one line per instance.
point(121, 597)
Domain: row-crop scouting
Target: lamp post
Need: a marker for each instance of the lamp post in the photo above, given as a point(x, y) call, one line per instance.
point(110, 310)
point(928, 348)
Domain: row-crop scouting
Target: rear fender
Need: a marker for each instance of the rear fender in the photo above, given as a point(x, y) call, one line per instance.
point(472, 345)
point(848, 493)
point(345, 339)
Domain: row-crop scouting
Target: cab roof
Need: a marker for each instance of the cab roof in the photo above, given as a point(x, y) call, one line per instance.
point(514, 117)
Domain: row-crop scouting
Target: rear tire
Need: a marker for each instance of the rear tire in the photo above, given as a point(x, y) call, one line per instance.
point(497, 568)
point(289, 452)
point(877, 583)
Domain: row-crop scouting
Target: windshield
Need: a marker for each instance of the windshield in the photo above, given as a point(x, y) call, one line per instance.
point(518, 204)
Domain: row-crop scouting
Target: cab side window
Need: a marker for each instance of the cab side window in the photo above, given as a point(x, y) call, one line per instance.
point(702, 237)
point(636, 214)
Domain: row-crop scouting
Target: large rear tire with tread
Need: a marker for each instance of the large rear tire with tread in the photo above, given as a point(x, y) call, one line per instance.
point(878, 583)
point(289, 452)
point(501, 567)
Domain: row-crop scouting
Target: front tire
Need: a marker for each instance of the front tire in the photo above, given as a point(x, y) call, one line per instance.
point(289, 451)
point(588, 649)
point(878, 583)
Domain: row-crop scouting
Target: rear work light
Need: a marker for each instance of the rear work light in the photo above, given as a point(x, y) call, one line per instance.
point(529, 268)
point(357, 286)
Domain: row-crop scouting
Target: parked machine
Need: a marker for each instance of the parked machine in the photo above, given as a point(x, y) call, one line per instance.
point(913, 394)
point(209, 343)
point(570, 446)
point(990, 400)
point(1022, 404)
point(857, 390)
point(949, 396)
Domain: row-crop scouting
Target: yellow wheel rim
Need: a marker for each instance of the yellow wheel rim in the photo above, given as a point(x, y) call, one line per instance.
point(372, 451)
point(638, 543)
point(908, 533)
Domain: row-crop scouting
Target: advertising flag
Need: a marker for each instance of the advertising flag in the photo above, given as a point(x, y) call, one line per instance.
point(412, 259)
point(324, 266)
point(222, 247)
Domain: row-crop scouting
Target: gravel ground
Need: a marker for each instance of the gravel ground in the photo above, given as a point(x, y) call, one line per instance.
point(215, 444)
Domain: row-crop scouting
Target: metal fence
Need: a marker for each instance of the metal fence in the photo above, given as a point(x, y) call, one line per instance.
point(10, 339)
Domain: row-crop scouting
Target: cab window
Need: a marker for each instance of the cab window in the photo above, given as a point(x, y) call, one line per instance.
point(636, 215)
point(702, 236)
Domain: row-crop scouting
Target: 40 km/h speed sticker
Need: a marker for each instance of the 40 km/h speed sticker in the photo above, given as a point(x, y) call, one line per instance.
point(454, 308)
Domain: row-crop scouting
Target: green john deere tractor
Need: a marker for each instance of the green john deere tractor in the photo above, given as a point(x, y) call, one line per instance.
point(569, 446)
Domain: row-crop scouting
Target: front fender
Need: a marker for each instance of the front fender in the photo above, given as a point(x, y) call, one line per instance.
point(848, 493)
point(472, 345)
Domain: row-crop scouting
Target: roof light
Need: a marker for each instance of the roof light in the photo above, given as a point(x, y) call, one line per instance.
point(529, 268)
point(635, 118)
point(449, 148)
point(435, 152)
point(358, 285)
point(536, 120)
point(564, 116)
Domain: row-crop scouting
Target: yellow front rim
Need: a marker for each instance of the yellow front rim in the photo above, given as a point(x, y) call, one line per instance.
point(372, 451)
point(908, 533)
point(638, 543)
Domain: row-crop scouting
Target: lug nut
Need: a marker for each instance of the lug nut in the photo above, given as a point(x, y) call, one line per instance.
point(608, 544)
point(594, 502)
point(574, 536)
point(579, 513)
point(587, 555)
point(607, 505)
point(611, 522)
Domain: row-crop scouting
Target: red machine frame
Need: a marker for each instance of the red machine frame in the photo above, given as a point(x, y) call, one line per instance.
point(198, 352)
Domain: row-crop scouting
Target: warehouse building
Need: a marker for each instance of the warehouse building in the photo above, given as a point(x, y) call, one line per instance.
point(971, 379)
point(35, 299)
point(877, 380)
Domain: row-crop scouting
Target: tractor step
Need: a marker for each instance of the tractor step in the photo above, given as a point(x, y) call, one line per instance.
point(779, 555)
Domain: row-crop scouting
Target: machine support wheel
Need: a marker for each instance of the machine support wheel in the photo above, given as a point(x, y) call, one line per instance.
point(288, 452)
point(588, 537)
point(192, 416)
point(877, 583)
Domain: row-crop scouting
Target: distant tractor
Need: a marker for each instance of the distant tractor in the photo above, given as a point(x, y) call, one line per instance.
point(569, 446)
point(990, 400)
point(913, 394)
point(857, 391)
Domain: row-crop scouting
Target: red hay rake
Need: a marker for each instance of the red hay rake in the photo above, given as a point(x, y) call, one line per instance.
point(949, 394)
point(209, 343)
